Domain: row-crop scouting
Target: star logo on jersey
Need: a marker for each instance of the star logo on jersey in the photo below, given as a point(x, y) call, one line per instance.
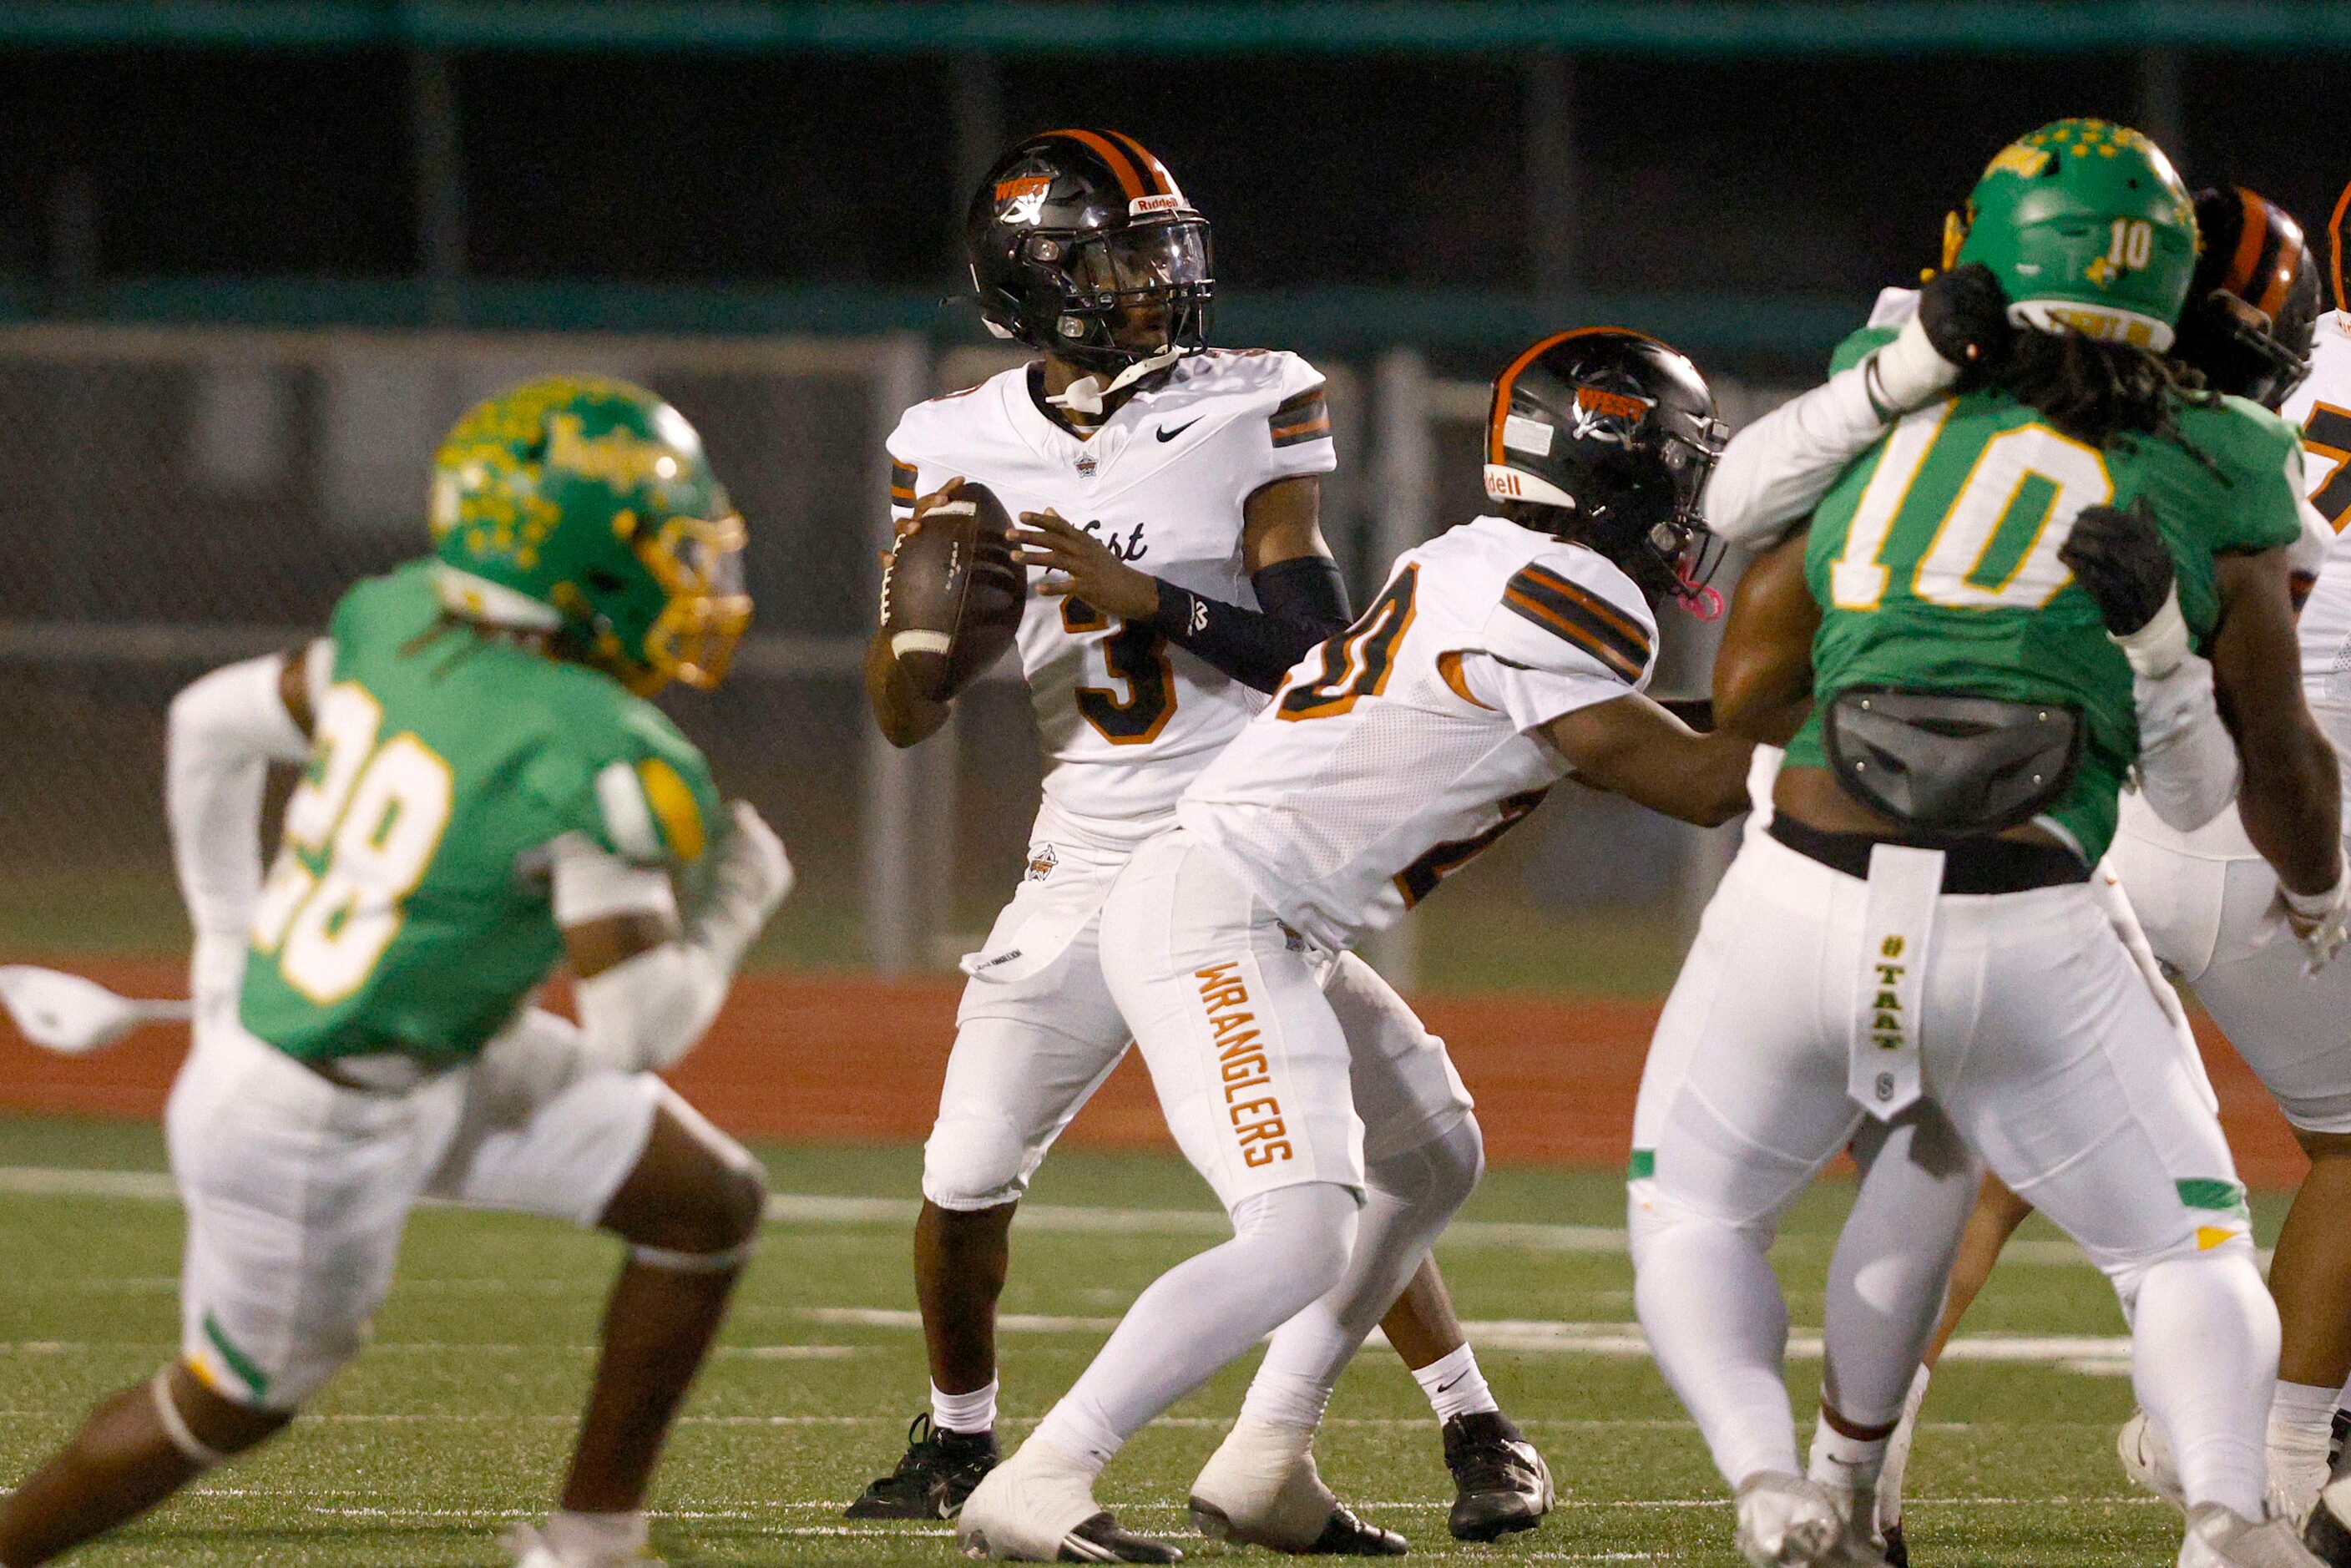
point(1086, 465)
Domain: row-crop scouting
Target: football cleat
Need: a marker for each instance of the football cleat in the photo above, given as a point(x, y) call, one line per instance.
point(1898, 1549)
point(934, 1476)
point(532, 1548)
point(1500, 1483)
point(1787, 1521)
point(2145, 1454)
point(1260, 1488)
point(2219, 1537)
point(1039, 1507)
point(2327, 1533)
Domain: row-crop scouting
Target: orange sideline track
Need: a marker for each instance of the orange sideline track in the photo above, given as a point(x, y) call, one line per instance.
point(843, 1060)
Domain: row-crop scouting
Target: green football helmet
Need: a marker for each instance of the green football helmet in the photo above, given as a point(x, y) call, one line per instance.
point(586, 509)
point(2088, 227)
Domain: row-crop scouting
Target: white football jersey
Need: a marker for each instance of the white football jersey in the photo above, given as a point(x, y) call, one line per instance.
point(2321, 409)
point(1401, 750)
point(1127, 718)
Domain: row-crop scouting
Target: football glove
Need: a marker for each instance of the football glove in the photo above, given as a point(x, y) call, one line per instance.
point(2121, 561)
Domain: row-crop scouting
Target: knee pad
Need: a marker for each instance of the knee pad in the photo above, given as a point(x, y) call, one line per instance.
point(1651, 1211)
point(1440, 1173)
point(1309, 1232)
point(975, 1161)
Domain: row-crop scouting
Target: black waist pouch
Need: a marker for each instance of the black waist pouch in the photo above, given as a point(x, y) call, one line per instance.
point(1950, 763)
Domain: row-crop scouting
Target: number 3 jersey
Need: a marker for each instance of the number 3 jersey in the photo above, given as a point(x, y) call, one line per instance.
point(410, 906)
point(1399, 750)
point(1127, 718)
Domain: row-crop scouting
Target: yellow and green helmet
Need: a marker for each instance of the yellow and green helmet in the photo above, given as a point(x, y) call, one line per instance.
point(586, 509)
point(2088, 228)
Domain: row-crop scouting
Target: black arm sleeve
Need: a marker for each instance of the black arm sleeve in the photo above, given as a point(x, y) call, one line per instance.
point(1304, 599)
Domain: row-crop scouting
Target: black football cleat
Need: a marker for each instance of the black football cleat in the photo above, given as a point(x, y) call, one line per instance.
point(1897, 1551)
point(935, 1474)
point(2328, 1532)
point(1501, 1484)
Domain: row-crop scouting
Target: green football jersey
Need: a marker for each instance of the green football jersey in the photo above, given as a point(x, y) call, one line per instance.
point(409, 909)
point(1933, 559)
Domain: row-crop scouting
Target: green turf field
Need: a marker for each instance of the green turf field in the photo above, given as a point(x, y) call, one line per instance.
point(457, 1419)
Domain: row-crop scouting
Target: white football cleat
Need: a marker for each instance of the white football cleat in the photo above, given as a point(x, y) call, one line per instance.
point(1039, 1507)
point(533, 1550)
point(1787, 1521)
point(1261, 1488)
point(2220, 1537)
point(1859, 1543)
point(2145, 1454)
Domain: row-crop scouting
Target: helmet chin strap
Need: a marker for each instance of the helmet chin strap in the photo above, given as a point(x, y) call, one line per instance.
point(1087, 394)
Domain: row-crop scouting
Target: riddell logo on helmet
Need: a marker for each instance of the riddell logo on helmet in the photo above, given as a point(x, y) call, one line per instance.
point(1023, 199)
point(1169, 203)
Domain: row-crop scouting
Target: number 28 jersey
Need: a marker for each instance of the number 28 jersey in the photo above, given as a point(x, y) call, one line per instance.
point(410, 908)
point(1127, 719)
point(1404, 747)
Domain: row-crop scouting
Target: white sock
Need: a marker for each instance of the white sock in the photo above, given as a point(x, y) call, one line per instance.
point(1897, 1453)
point(966, 1413)
point(1410, 1198)
point(2301, 1419)
point(1845, 1464)
point(1290, 1246)
point(595, 1534)
point(2204, 1349)
point(1717, 1322)
point(1455, 1386)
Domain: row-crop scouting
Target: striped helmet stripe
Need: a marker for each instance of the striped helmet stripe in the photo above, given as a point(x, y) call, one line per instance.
point(1121, 167)
point(1151, 166)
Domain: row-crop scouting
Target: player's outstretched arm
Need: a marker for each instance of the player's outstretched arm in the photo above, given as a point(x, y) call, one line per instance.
point(1763, 671)
point(225, 730)
point(1301, 599)
point(649, 986)
point(1633, 748)
point(2291, 799)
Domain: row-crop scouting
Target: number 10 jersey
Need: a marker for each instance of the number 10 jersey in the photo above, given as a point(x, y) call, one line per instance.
point(1126, 718)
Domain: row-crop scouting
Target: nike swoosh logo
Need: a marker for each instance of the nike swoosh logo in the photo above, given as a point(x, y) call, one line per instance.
point(1447, 1387)
point(1167, 435)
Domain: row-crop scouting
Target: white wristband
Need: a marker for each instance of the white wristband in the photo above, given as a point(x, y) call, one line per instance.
point(2155, 649)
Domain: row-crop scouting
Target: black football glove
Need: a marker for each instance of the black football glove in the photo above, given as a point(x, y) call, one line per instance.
point(2119, 556)
point(1965, 313)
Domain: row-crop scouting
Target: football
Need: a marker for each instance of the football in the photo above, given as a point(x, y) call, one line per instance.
point(952, 598)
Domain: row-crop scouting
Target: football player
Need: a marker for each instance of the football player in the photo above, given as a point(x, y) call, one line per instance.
point(2249, 330)
point(486, 795)
point(1499, 657)
point(1973, 724)
point(1170, 493)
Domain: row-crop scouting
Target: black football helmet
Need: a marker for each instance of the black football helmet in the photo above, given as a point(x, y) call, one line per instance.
point(1616, 432)
point(2252, 308)
point(1074, 231)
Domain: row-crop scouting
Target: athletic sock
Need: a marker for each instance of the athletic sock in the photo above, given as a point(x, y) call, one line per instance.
point(1896, 1468)
point(1455, 1386)
point(2204, 1343)
point(968, 1414)
point(2301, 1419)
point(595, 1535)
point(1846, 1465)
point(1289, 1246)
point(1717, 1322)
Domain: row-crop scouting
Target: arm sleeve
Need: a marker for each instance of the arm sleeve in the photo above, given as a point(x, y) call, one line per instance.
point(2186, 760)
point(1559, 641)
point(224, 731)
point(1302, 603)
point(1298, 428)
point(1776, 470)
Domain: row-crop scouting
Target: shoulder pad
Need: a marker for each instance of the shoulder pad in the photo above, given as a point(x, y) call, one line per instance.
point(1269, 375)
point(926, 429)
point(1571, 611)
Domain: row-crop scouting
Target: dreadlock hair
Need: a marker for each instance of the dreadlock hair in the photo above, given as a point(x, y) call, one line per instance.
point(2099, 393)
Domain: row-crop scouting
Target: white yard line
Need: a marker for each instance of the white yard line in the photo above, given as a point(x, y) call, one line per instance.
point(1043, 1218)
